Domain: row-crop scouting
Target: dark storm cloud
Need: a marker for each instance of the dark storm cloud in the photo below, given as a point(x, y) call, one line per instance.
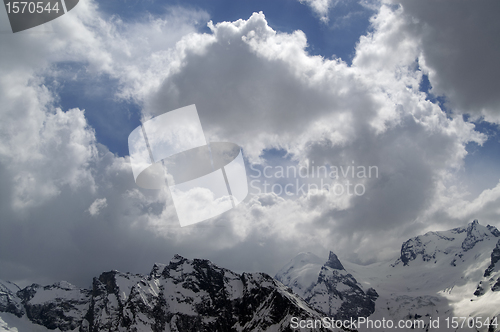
point(460, 46)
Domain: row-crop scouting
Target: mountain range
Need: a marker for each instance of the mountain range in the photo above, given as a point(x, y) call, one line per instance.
point(437, 276)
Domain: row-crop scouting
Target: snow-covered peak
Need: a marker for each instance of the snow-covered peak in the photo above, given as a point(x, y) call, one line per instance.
point(450, 245)
point(477, 233)
point(328, 287)
point(177, 259)
point(184, 295)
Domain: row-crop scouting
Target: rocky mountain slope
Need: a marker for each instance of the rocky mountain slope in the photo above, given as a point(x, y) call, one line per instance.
point(437, 276)
point(328, 287)
point(440, 275)
point(446, 274)
point(185, 295)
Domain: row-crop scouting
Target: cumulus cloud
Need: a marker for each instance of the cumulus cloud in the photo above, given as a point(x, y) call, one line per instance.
point(51, 165)
point(261, 89)
point(253, 86)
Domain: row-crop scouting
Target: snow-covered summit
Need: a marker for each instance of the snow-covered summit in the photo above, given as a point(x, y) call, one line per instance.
point(184, 295)
point(454, 273)
point(451, 245)
point(327, 286)
point(439, 274)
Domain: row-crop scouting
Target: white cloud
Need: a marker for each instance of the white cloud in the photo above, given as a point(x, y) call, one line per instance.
point(42, 147)
point(97, 206)
point(320, 7)
point(51, 167)
point(259, 88)
point(253, 86)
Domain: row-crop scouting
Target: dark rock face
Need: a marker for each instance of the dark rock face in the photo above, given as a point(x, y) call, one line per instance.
point(493, 230)
point(354, 302)
point(480, 289)
point(473, 236)
point(495, 257)
point(411, 249)
point(185, 295)
point(61, 305)
point(333, 262)
point(491, 272)
point(496, 286)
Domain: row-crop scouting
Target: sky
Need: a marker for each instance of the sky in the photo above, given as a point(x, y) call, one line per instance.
point(404, 89)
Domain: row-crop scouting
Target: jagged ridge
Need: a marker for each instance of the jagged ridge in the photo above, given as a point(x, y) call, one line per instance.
point(185, 295)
